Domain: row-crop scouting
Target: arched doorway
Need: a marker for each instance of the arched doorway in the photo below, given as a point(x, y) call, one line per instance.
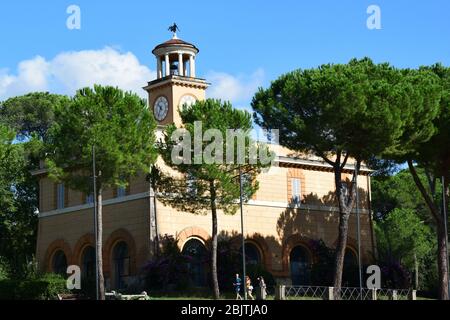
point(350, 273)
point(196, 266)
point(121, 264)
point(350, 258)
point(300, 263)
point(88, 270)
point(88, 263)
point(59, 263)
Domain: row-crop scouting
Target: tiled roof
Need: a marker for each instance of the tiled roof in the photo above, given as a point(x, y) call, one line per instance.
point(174, 42)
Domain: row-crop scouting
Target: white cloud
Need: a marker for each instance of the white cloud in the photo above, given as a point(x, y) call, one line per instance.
point(236, 89)
point(69, 71)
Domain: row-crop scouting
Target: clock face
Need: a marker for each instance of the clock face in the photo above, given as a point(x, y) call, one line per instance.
point(187, 100)
point(161, 108)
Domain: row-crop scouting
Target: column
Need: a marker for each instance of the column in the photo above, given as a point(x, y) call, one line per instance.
point(159, 67)
point(180, 64)
point(167, 65)
point(192, 66)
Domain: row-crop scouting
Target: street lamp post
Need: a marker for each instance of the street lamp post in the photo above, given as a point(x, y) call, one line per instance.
point(444, 212)
point(94, 180)
point(243, 236)
point(359, 228)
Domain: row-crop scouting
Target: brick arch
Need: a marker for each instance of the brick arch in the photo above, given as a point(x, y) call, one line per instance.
point(59, 244)
point(292, 242)
point(87, 240)
point(260, 243)
point(192, 232)
point(115, 237)
point(352, 244)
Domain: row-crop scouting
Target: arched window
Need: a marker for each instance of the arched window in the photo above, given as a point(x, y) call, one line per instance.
point(300, 266)
point(350, 274)
point(88, 263)
point(197, 251)
point(350, 259)
point(252, 254)
point(121, 259)
point(59, 262)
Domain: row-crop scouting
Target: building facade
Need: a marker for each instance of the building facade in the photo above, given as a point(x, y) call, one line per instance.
point(294, 206)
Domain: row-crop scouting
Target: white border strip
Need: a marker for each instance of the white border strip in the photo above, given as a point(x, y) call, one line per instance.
point(137, 196)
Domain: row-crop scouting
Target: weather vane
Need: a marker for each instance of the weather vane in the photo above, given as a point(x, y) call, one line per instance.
point(173, 28)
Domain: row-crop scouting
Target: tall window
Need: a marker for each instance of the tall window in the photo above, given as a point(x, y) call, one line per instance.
point(350, 275)
point(300, 266)
point(197, 251)
point(121, 192)
point(60, 195)
point(121, 259)
point(191, 187)
point(59, 262)
point(88, 260)
point(296, 191)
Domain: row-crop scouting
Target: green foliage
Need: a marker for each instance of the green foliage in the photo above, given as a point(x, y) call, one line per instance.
point(30, 114)
point(403, 237)
point(45, 287)
point(360, 108)
point(28, 119)
point(403, 228)
point(398, 191)
point(117, 123)
point(435, 154)
point(4, 269)
point(18, 203)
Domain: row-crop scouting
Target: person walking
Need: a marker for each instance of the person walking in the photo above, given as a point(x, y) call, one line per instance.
point(237, 287)
point(248, 284)
point(262, 285)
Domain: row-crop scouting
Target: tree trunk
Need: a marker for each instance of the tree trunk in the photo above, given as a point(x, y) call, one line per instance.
point(345, 208)
point(215, 281)
point(340, 249)
point(416, 272)
point(99, 246)
point(440, 221)
point(442, 263)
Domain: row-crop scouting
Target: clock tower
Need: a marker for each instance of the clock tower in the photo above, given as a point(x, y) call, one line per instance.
point(176, 83)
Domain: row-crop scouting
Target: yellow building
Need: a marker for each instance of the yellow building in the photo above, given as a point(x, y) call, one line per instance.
point(278, 233)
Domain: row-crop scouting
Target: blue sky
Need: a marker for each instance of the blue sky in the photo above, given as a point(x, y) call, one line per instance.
point(243, 44)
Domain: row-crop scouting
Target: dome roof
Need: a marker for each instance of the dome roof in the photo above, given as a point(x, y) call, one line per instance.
point(175, 42)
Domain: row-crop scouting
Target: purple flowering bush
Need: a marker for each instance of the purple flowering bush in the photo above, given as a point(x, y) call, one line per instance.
point(168, 270)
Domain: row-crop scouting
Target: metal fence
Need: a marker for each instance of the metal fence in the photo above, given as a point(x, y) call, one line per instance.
point(305, 292)
point(344, 293)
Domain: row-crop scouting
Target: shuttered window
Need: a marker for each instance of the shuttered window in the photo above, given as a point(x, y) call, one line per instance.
point(296, 190)
point(60, 196)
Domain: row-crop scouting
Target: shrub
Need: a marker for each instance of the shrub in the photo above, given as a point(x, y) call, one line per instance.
point(4, 269)
point(45, 287)
point(168, 270)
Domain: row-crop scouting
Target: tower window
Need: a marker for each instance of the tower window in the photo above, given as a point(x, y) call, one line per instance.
point(90, 198)
point(296, 191)
point(121, 192)
point(60, 195)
